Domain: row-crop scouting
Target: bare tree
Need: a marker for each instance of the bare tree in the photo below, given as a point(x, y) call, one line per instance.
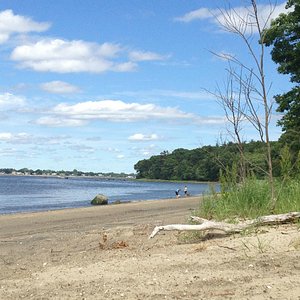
point(234, 109)
point(251, 101)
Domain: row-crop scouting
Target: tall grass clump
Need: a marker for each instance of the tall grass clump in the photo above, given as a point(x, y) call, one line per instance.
point(288, 196)
point(288, 187)
point(250, 198)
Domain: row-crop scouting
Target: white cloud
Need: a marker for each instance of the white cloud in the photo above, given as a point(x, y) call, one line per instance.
point(120, 156)
point(59, 87)
point(11, 24)
point(109, 50)
point(145, 56)
point(198, 14)
point(26, 138)
point(202, 95)
point(142, 137)
point(62, 56)
point(9, 152)
point(20, 138)
point(116, 110)
point(237, 15)
point(111, 149)
point(82, 148)
point(59, 122)
point(146, 151)
point(64, 115)
point(9, 101)
point(197, 95)
point(57, 49)
point(94, 139)
point(211, 120)
point(125, 67)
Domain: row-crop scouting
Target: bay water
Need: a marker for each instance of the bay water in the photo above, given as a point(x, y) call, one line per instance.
point(37, 193)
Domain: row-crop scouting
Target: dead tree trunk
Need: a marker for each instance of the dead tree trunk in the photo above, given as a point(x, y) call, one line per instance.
point(227, 227)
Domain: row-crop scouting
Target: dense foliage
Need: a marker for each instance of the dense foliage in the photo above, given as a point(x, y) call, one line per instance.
point(284, 36)
point(204, 164)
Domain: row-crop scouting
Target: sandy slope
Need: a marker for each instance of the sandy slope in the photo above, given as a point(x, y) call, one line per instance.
point(104, 253)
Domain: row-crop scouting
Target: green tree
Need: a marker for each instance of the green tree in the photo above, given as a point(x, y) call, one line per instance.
point(284, 35)
point(39, 172)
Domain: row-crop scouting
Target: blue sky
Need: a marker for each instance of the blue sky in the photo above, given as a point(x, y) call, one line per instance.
point(98, 85)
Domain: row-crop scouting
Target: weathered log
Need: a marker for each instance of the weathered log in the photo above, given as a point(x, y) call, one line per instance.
point(227, 227)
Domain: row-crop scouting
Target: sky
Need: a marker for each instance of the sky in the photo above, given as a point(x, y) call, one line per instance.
point(97, 85)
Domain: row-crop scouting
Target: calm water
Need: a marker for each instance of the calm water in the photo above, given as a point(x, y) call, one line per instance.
point(31, 193)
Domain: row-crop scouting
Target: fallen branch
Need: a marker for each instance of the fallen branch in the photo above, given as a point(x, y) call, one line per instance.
point(228, 228)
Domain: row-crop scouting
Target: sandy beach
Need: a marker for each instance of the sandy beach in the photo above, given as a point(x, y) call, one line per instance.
point(104, 253)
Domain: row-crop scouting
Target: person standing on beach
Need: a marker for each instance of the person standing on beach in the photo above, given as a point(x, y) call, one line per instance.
point(177, 193)
point(185, 191)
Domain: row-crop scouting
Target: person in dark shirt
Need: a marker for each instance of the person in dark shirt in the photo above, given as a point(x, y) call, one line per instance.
point(177, 193)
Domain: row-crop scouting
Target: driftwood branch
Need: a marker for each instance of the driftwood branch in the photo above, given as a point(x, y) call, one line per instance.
point(228, 228)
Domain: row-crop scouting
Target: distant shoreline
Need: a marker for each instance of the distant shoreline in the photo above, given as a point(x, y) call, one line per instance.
point(67, 176)
point(113, 178)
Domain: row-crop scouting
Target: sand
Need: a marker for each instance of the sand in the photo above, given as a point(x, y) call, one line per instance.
point(104, 253)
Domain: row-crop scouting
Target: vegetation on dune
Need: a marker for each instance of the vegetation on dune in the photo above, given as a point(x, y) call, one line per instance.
point(250, 199)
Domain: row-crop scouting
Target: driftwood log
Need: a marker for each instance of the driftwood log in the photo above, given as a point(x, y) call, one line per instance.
point(228, 228)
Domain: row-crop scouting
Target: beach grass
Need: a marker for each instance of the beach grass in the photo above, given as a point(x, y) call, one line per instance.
point(250, 199)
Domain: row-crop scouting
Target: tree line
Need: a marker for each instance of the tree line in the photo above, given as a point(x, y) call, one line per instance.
point(205, 163)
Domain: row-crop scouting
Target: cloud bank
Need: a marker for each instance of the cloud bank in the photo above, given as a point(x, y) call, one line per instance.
point(110, 110)
point(63, 56)
point(11, 24)
point(9, 101)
